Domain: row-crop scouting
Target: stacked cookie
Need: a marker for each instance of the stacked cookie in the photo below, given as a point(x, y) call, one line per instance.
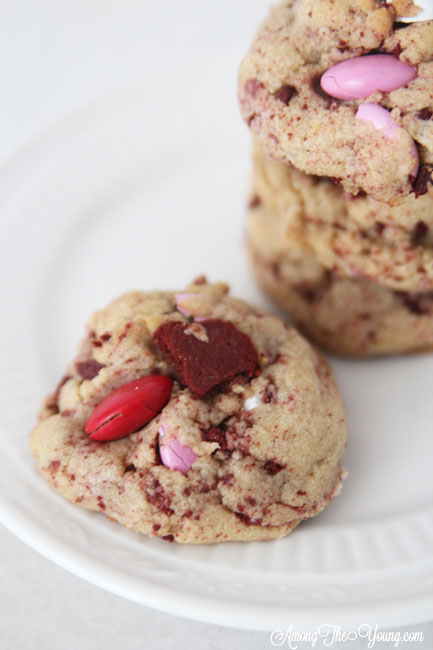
point(339, 96)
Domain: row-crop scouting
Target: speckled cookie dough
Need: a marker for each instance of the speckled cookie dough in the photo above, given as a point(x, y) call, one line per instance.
point(346, 315)
point(297, 122)
point(252, 404)
point(356, 237)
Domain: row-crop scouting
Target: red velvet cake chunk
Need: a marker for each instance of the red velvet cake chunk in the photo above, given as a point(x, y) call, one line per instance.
point(204, 367)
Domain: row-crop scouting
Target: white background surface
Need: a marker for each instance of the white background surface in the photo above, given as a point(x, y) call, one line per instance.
point(54, 57)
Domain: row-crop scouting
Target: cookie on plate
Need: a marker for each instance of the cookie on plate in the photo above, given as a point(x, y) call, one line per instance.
point(194, 417)
point(342, 88)
point(331, 293)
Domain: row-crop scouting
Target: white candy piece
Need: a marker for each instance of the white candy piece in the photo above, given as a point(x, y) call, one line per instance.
point(252, 402)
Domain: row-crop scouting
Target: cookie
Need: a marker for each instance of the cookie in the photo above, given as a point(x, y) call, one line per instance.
point(238, 429)
point(350, 316)
point(351, 236)
point(315, 100)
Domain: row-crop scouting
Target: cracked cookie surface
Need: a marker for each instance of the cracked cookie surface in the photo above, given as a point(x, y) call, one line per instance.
point(355, 237)
point(299, 124)
point(347, 314)
point(268, 445)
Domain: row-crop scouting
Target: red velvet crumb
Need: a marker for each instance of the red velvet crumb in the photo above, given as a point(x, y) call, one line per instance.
point(272, 468)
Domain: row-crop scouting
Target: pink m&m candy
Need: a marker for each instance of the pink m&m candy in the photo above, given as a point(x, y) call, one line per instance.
point(382, 121)
point(174, 455)
point(357, 78)
point(380, 118)
point(179, 298)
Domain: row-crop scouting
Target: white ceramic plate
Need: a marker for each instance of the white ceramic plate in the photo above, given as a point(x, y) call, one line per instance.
point(146, 189)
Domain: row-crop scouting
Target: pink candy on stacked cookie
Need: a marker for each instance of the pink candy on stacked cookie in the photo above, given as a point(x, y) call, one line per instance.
point(359, 77)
